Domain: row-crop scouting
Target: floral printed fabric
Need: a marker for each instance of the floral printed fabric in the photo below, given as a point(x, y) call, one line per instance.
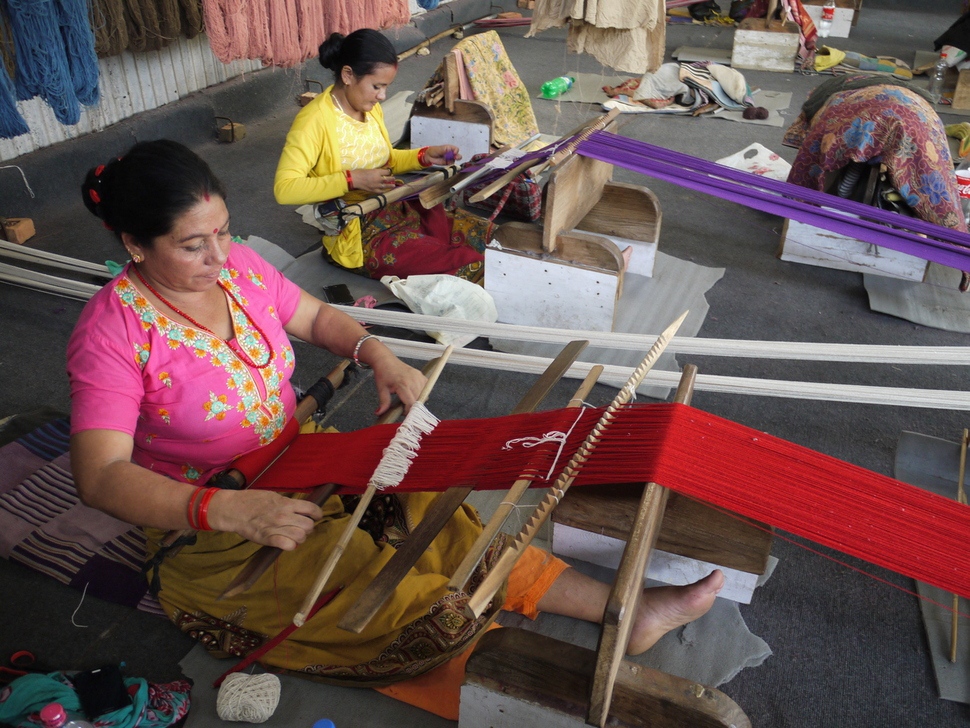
point(890, 124)
point(129, 365)
point(497, 85)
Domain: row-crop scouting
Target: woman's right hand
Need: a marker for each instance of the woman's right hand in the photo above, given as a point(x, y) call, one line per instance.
point(374, 180)
point(264, 517)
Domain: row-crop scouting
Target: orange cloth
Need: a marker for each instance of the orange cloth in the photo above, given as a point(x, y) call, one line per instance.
point(439, 690)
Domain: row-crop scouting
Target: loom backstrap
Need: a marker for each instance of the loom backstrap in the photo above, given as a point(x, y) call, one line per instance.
point(845, 507)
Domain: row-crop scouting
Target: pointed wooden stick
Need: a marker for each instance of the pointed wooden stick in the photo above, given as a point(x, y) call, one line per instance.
point(961, 498)
point(338, 550)
point(480, 600)
point(468, 565)
point(623, 601)
point(266, 556)
point(382, 586)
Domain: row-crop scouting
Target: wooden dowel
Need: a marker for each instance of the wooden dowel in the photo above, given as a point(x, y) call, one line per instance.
point(468, 565)
point(376, 202)
point(338, 550)
point(623, 601)
point(961, 498)
point(480, 600)
point(406, 556)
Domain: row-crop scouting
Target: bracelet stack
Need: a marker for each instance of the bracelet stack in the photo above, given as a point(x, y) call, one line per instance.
point(350, 180)
point(423, 157)
point(356, 354)
point(198, 509)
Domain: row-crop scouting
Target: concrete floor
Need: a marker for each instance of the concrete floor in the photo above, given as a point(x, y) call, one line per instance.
point(848, 650)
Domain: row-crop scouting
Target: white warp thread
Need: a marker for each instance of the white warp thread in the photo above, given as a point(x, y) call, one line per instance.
point(403, 447)
point(553, 436)
point(248, 698)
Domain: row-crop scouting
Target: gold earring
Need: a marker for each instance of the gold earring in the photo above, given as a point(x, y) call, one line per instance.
point(136, 258)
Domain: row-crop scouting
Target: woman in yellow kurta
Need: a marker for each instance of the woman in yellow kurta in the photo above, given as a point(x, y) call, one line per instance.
point(338, 147)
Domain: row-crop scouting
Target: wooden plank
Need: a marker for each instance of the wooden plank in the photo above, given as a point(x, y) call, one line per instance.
point(451, 82)
point(625, 211)
point(519, 665)
point(624, 600)
point(961, 96)
point(690, 528)
point(383, 585)
point(572, 191)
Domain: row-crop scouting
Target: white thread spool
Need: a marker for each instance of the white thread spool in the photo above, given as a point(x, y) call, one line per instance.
point(248, 698)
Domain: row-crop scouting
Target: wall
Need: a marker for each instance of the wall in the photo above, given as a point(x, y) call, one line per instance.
point(130, 83)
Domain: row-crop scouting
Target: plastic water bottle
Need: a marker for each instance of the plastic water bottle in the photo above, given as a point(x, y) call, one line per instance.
point(937, 80)
point(963, 186)
point(54, 716)
point(828, 15)
point(557, 87)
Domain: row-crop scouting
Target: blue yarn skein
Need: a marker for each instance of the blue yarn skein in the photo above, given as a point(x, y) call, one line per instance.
point(79, 47)
point(42, 66)
point(11, 122)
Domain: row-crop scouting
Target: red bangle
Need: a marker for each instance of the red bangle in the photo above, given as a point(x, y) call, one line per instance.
point(350, 180)
point(190, 512)
point(423, 157)
point(204, 509)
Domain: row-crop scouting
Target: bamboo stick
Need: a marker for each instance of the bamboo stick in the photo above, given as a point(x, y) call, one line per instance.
point(376, 202)
point(338, 550)
point(493, 582)
point(468, 565)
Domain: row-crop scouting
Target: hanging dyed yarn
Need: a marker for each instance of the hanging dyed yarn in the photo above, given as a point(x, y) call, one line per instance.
point(287, 32)
point(54, 48)
point(11, 122)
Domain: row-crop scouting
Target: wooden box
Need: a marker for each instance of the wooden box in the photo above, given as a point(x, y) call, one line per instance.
point(761, 47)
point(17, 229)
point(842, 22)
point(802, 243)
point(232, 132)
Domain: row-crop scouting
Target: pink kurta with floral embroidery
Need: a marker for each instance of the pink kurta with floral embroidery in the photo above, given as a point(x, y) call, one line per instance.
point(190, 402)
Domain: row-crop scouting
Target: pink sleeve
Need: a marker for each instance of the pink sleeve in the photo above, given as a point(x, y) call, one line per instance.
point(106, 383)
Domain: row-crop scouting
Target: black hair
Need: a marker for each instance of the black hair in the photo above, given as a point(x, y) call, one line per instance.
point(145, 191)
point(363, 50)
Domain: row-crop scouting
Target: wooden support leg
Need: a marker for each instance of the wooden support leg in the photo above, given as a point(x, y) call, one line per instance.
point(621, 607)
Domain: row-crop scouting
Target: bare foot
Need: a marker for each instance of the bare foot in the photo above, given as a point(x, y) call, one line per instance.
point(663, 608)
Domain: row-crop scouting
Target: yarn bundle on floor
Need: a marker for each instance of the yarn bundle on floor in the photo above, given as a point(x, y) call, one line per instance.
point(248, 698)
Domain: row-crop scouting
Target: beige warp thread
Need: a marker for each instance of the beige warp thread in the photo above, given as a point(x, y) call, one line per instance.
point(248, 698)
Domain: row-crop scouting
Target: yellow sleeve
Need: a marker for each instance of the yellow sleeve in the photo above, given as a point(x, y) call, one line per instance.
point(307, 171)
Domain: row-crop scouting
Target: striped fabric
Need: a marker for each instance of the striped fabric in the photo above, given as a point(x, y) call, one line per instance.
point(45, 527)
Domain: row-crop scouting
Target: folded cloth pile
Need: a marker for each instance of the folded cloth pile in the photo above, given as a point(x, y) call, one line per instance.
point(837, 61)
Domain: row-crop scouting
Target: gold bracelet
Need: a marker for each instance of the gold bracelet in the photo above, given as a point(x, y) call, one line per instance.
point(360, 343)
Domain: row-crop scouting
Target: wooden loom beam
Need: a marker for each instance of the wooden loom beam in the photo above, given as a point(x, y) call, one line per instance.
point(387, 580)
point(621, 607)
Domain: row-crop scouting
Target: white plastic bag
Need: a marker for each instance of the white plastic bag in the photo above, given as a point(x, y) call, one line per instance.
point(446, 296)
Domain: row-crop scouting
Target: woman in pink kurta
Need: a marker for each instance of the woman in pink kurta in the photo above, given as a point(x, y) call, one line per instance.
point(130, 362)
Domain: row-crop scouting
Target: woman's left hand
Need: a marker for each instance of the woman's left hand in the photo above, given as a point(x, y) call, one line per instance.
point(443, 154)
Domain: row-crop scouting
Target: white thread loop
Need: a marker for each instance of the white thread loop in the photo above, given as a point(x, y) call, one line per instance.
point(403, 447)
point(248, 698)
point(554, 436)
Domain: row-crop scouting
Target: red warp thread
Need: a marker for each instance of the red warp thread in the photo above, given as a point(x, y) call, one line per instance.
point(861, 513)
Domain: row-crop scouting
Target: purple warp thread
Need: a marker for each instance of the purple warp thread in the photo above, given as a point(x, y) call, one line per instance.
point(943, 245)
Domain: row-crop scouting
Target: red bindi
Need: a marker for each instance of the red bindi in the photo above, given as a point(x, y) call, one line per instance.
point(205, 196)
point(215, 231)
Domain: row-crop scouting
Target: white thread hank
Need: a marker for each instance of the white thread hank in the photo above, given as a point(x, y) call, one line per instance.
point(403, 447)
point(554, 436)
point(248, 698)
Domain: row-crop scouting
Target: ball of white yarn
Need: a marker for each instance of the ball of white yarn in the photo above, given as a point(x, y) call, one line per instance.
point(248, 698)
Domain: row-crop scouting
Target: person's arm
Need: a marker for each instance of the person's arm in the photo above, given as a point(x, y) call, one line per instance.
point(106, 479)
point(322, 325)
point(296, 181)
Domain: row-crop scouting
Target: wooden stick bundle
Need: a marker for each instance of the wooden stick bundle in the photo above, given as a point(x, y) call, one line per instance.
point(392, 453)
point(480, 600)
